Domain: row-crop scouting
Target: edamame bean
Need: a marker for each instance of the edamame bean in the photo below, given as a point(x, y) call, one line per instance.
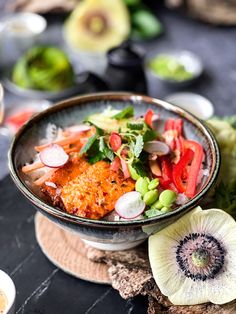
point(153, 184)
point(165, 209)
point(157, 205)
point(150, 197)
point(167, 197)
point(141, 186)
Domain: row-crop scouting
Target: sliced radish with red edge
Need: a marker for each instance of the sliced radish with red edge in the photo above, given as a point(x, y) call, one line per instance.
point(54, 156)
point(130, 205)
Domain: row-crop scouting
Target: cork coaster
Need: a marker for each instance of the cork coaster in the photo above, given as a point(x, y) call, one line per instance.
point(68, 252)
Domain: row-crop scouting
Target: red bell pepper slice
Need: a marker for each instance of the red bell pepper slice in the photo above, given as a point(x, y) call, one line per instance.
point(148, 117)
point(178, 126)
point(166, 172)
point(115, 141)
point(195, 166)
point(169, 124)
point(179, 168)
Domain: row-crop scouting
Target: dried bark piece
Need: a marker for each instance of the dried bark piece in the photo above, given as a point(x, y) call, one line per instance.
point(155, 307)
point(137, 256)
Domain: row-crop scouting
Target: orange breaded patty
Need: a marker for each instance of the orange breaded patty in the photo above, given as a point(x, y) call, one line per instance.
point(89, 191)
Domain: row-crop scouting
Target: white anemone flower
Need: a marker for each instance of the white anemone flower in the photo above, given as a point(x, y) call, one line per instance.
point(193, 260)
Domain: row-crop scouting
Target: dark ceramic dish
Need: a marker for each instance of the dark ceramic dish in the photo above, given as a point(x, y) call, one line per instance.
point(100, 233)
point(85, 82)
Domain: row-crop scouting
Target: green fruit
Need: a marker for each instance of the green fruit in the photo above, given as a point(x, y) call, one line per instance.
point(157, 205)
point(141, 186)
point(167, 198)
point(150, 197)
point(97, 25)
point(153, 184)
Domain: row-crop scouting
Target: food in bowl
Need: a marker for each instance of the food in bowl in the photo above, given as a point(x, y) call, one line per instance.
point(170, 67)
point(3, 302)
point(118, 166)
point(45, 68)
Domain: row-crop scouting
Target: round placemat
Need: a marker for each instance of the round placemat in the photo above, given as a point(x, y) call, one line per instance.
point(68, 252)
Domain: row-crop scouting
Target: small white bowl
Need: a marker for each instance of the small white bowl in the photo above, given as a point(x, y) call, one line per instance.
point(190, 61)
point(8, 287)
point(196, 104)
point(19, 32)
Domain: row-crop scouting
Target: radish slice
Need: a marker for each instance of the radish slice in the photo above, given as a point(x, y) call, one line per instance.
point(78, 128)
point(54, 156)
point(156, 147)
point(130, 205)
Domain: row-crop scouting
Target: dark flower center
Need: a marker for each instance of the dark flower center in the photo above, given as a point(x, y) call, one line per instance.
point(96, 23)
point(200, 256)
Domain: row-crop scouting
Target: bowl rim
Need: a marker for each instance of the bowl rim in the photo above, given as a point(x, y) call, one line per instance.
point(133, 97)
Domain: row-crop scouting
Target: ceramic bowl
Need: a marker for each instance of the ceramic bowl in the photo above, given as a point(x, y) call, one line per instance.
point(102, 234)
point(8, 288)
point(190, 61)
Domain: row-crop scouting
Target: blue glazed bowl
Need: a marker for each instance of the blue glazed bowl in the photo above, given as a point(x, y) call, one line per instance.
point(115, 235)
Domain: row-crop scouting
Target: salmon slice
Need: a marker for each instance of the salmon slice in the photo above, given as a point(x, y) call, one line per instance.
point(85, 190)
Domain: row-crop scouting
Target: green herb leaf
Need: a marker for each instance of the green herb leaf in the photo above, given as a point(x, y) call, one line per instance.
point(138, 146)
point(88, 145)
point(103, 148)
point(149, 135)
point(127, 112)
point(139, 168)
point(135, 125)
point(95, 158)
point(152, 212)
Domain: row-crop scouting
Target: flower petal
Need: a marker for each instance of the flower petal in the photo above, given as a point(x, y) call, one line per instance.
point(213, 221)
point(222, 289)
point(191, 292)
point(163, 263)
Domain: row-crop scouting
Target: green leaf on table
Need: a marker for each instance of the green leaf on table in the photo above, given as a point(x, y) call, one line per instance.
point(145, 25)
point(225, 197)
point(138, 147)
point(127, 112)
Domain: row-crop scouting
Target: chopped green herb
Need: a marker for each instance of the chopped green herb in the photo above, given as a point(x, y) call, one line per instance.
point(138, 146)
point(95, 158)
point(135, 125)
point(152, 213)
point(149, 135)
point(103, 148)
point(127, 112)
point(88, 145)
point(139, 168)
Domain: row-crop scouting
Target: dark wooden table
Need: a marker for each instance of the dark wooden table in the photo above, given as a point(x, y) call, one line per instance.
point(41, 287)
